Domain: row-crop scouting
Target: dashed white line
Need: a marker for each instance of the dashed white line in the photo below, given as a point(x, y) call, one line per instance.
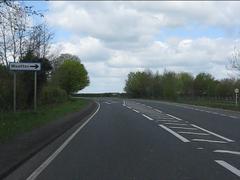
point(187, 128)
point(226, 151)
point(147, 117)
point(174, 117)
point(167, 120)
point(178, 124)
point(107, 103)
point(207, 140)
point(229, 167)
point(158, 110)
point(135, 110)
point(38, 171)
point(193, 133)
point(183, 139)
point(229, 140)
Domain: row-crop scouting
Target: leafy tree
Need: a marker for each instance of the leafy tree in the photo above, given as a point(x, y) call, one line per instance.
point(185, 83)
point(169, 80)
point(71, 76)
point(204, 85)
point(26, 79)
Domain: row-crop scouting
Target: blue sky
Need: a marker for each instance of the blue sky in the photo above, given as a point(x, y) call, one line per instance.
point(114, 38)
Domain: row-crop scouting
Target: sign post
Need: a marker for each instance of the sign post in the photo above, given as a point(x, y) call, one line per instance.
point(25, 67)
point(236, 96)
point(14, 91)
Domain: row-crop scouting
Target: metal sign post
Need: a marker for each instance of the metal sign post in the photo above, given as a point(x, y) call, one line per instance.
point(236, 96)
point(14, 91)
point(25, 67)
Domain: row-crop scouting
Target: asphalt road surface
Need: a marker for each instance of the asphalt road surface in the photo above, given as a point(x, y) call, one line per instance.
point(147, 140)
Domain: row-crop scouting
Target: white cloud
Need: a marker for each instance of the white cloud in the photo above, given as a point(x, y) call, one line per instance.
point(114, 38)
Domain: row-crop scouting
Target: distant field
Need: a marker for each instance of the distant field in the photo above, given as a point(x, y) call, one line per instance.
point(12, 124)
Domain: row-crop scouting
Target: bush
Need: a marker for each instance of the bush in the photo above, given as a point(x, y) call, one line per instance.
point(52, 95)
point(6, 88)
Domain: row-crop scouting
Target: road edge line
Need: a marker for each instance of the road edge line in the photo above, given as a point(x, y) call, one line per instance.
point(38, 171)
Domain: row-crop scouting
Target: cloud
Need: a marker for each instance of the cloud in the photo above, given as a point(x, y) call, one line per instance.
point(114, 38)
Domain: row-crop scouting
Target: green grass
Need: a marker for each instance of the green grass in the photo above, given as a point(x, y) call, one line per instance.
point(12, 124)
point(212, 103)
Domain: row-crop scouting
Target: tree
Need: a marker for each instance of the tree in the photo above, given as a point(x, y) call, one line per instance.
point(16, 32)
point(185, 84)
point(169, 81)
point(71, 76)
point(205, 85)
point(26, 79)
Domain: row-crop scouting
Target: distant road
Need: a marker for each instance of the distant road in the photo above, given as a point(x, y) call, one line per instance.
point(146, 140)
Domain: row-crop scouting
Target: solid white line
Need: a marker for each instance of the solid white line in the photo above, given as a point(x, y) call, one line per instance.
point(226, 151)
point(194, 133)
point(158, 110)
point(183, 128)
point(38, 171)
point(229, 140)
point(135, 110)
point(177, 124)
point(183, 139)
point(147, 117)
point(229, 167)
point(174, 117)
point(206, 140)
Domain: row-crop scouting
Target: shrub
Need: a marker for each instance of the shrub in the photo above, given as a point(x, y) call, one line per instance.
point(5, 88)
point(52, 95)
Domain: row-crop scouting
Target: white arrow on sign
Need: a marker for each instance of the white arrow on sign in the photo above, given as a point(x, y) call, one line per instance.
point(25, 66)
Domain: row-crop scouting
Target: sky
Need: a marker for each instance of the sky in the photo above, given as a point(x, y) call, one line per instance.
point(115, 38)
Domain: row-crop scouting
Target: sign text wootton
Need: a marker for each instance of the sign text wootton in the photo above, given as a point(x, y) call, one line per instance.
point(25, 66)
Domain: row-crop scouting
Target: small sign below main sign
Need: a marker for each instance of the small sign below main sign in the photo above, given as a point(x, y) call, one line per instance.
point(25, 66)
point(236, 90)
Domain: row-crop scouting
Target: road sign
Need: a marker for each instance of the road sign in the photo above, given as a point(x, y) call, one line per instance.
point(236, 90)
point(25, 66)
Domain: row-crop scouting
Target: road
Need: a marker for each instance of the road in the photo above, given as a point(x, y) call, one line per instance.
point(147, 140)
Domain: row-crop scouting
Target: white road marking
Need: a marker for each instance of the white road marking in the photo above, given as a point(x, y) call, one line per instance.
point(167, 120)
point(158, 110)
point(147, 117)
point(124, 103)
point(176, 124)
point(226, 151)
point(229, 140)
point(107, 103)
point(183, 139)
point(135, 110)
point(200, 148)
point(194, 133)
point(233, 117)
point(38, 171)
point(174, 117)
point(207, 140)
point(229, 167)
point(173, 127)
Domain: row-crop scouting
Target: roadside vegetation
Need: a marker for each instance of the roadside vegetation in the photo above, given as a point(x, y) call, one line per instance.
point(183, 87)
point(61, 75)
point(13, 124)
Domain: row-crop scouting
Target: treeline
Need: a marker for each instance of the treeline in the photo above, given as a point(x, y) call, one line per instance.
point(171, 85)
point(21, 41)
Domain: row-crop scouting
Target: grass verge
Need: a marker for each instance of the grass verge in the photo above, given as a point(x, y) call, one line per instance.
point(211, 103)
point(12, 124)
